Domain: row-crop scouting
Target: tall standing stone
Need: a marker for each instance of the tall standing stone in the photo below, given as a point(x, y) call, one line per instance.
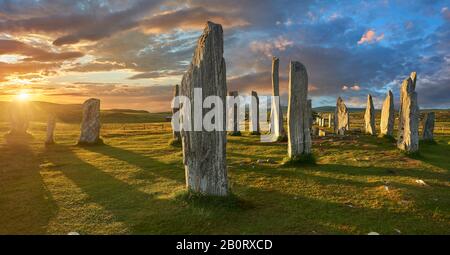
point(175, 133)
point(19, 117)
point(90, 124)
point(276, 113)
point(387, 116)
point(369, 117)
point(309, 103)
point(428, 126)
point(234, 116)
point(408, 131)
point(51, 123)
point(329, 120)
point(204, 152)
point(341, 117)
point(299, 133)
point(254, 114)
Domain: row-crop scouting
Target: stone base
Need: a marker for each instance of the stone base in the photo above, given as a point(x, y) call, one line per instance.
point(235, 133)
point(98, 142)
point(304, 159)
point(175, 142)
point(282, 139)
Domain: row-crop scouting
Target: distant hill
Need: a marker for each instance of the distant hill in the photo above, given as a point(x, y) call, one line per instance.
point(72, 113)
point(333, 108)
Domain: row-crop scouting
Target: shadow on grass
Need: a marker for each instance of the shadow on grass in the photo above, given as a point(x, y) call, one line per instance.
point(149, 167)
point(26, 205)
point(123, 200)
point(436, 154)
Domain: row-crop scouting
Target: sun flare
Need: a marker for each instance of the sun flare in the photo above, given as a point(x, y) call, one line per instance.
point(23, 96)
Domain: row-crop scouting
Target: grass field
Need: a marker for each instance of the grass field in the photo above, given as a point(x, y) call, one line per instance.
point(134, 184)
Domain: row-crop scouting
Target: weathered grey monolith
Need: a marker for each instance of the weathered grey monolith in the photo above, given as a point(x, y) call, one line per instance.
point(276, 113)
point(51, 123)
point(428, 126)
point(387, 116)
point(329, 120)
point(299, 134)
point(90, 124)
point(311, 117)
point(204, 152)
point(234, 115)
point(19, 117)
point(408, 131)
point(176, 133)
point(341, 117)
point(254, 114)
point(369, 117)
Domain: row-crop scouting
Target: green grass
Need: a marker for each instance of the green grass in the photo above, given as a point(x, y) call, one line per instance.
point(135, 184)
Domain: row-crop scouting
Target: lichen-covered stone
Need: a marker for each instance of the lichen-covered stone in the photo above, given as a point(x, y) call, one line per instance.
point(408, 131)
point(428, 126)
point(387, 116)
point(254, 114)
point(299, 133)
point(276, 113)
point(175, 133)
point(90, 124)
point(204, 152)
point(369, 117)
point(51, 123)
point(19, 117)
point(341, 117)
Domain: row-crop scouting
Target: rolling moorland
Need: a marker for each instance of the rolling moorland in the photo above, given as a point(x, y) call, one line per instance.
point(134, 183)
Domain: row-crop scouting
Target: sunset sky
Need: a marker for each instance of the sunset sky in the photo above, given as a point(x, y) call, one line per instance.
point(130, 53)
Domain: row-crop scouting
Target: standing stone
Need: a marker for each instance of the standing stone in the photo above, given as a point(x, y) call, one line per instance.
point(254, 114)
point(311, 118)
point(51, 123)
point(369, 117)
point(235, 117)
point(299, 134)
point(408, 131)
point(204, 152)
point(276, 113)
point(90, 124)
point(19, 118)
point(176, 134)
point(428, 126)
point(387, 116)
point(341, 117)
point(329, 120)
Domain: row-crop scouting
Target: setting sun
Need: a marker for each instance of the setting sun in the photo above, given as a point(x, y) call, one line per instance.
point(23, 96)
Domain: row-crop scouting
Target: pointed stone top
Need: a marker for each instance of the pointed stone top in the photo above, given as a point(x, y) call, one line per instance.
point(92, 100)
point(413, 77)
point(254, 92)
point(210, 41)
point(276, 59)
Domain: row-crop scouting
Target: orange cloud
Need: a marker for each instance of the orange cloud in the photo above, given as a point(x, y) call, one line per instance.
point(191, 18)
point(370, 37)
